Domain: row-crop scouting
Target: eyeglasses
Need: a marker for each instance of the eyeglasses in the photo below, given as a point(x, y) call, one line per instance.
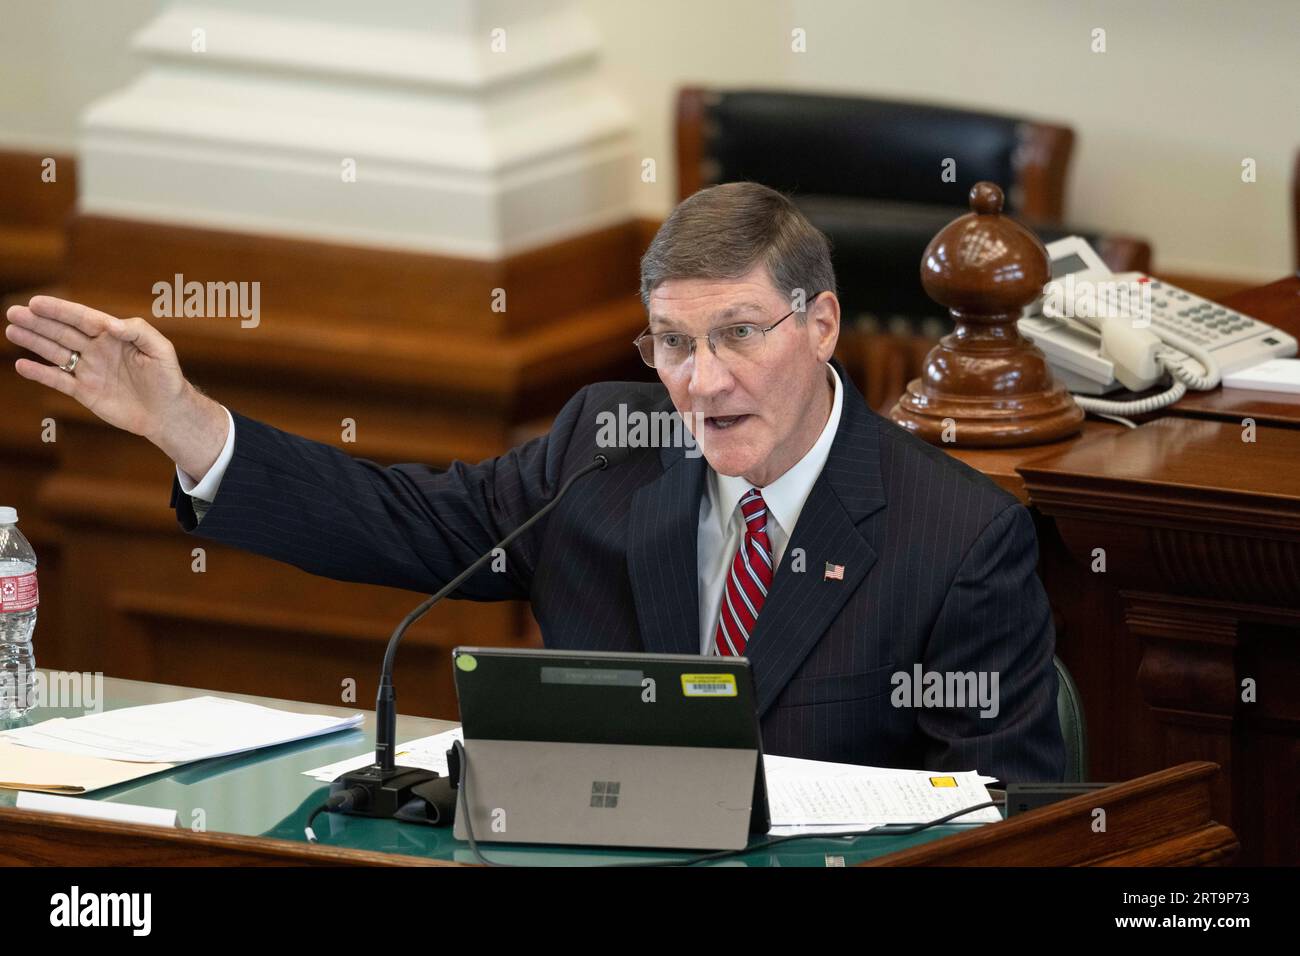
point(670, 350)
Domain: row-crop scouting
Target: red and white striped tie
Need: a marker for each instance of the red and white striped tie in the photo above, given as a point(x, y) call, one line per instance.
point(748, 580)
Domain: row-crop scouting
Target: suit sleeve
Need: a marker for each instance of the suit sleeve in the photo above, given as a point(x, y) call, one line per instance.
point(995, 621)
point(409, 526)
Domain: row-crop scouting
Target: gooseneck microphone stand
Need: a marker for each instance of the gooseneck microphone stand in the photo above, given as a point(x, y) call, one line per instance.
point(381, 788)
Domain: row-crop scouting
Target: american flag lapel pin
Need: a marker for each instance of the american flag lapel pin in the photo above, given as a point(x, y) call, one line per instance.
point(834, 572)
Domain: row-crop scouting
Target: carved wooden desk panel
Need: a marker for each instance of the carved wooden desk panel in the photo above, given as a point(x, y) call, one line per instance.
point(1200, 535)
point(1171, 554)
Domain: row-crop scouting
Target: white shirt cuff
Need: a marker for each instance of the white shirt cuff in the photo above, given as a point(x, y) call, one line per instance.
point(206, 489)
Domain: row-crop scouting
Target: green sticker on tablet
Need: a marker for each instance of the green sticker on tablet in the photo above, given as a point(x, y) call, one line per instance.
point(466, 662)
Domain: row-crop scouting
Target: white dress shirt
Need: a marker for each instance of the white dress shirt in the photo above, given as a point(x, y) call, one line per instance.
point(204, 492)
point(721, 524)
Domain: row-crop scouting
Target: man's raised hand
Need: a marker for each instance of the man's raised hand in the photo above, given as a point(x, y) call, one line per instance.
point(127, 374)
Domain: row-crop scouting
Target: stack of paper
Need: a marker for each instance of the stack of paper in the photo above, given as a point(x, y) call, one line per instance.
point(26, 768)
point(813, 796)
point(85, 753)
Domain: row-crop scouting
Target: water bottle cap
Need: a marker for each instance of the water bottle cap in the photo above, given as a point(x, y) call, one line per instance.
point(8, 515)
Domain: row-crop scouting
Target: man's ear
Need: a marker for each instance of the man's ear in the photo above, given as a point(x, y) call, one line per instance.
point(824, 318)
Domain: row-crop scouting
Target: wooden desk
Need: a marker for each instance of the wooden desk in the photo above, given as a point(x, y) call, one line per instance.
point(1171, 555)
point(1003, 464)
point(1162, 819)
point(254, 807)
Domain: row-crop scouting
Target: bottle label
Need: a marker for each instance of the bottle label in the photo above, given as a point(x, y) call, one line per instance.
point(19, 593)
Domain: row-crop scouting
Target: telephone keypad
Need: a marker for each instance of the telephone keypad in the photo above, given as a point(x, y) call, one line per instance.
point(1200, 321)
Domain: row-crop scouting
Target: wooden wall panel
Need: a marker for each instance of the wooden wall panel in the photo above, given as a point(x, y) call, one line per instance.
point(356, 287)
point(24, 461)
point(406, 346)
point(245, 623)
point(33, 242)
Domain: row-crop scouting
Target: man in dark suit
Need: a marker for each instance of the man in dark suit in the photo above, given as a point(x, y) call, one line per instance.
point(885, 594)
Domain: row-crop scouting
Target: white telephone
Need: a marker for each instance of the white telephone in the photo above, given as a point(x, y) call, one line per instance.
point(1101, 331)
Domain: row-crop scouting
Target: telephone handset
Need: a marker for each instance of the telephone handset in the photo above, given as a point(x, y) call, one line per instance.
point(1102, 331)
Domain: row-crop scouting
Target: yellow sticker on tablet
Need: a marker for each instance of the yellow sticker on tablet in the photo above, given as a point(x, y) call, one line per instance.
point(709, 685)
point(943, 781)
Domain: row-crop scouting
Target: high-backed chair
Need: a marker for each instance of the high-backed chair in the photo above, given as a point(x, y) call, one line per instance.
point(880, 178)
point(1074, 728)
point(854, 147)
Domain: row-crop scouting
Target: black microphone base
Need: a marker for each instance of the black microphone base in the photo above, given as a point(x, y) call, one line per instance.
point(385, 790)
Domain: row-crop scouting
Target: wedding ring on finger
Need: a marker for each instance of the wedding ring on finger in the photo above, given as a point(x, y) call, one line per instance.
point(73, 359)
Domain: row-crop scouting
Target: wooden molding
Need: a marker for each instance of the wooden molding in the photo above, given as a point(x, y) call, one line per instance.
point(28, 198)
point(1177, 473)
point(185, 611)
point(1159, 820)
point(57, 839)
point(359, 287)
point(513, 374)
point(1163, 819)
point(33, 243)
point(1188, 656)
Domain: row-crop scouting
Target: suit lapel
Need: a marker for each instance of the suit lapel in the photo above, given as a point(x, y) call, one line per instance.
point(663, 564)
point(802, 604)
point(663, 537)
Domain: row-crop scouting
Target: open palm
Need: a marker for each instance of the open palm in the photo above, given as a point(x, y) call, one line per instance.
point(127, 373)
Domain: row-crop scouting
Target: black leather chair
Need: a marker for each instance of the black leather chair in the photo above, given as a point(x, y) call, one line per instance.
point(870, 174)
point(1074, 728)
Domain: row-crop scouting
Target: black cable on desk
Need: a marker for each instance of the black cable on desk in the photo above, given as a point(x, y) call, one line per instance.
point(908, 830)
point(459, 750)
point(342, 800)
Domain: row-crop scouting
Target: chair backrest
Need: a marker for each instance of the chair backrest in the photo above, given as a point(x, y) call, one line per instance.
point(1074, 729)
point(860, 148)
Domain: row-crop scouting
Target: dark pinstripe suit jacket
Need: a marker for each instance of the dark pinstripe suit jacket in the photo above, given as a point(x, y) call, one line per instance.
point(939, 569)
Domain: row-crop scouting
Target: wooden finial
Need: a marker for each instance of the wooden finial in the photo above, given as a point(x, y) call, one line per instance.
point(984, 385)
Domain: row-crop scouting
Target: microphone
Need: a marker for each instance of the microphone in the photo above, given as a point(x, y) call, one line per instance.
point(382, 788)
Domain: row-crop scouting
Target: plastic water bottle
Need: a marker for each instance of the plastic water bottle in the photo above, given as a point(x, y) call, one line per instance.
point(18, 600)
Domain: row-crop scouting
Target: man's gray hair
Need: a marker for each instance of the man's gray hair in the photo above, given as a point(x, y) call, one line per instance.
point(722, 232)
